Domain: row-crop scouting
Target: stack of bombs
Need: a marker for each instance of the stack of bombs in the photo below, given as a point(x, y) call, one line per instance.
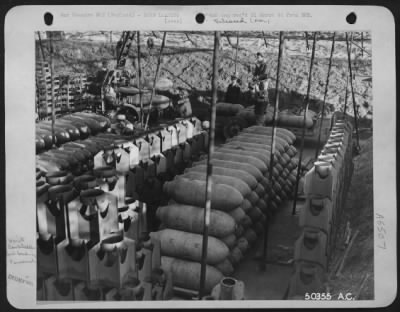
point(325, 188)
point(93, 240)
point(239, 198)
point(226, 123)
point(68, 128)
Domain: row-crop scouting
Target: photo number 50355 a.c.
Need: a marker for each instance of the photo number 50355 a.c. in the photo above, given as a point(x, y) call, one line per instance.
point(328, 296)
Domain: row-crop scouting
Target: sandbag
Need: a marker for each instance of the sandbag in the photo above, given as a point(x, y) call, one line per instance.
point(291, 151)
point(287, 119)
point(281, 135)
point(188, 246)
point(225, 267)
point(219, 179)
point(260, 190)
point(186, 274)
point(243, 244)
point(235, 256)
point(246, 205)
point(264, 149)
point(265, 142)
point(250, 235)
point(228, 109)
point(262, 205)
point(237, 214)
point(234, 173)
point(250, 169)
point(253, 198)
point(191, 219)
point(261, 129)
point(281, 143)
point(229, 240)
point(237, 157)
point(193, 192)
point(237, 150)
point(246, 222)
point(255, 214)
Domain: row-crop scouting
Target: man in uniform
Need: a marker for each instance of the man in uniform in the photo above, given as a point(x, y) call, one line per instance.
point(260, 91)
point(183, 106)
point(233, 91)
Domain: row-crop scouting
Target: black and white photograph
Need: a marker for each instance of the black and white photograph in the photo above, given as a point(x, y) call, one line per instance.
point(122, 144)
point(226, 164)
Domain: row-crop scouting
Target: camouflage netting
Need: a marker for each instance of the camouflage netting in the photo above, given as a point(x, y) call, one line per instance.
point(187, 61)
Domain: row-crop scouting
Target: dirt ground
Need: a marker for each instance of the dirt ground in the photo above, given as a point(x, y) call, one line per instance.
point(358, 271)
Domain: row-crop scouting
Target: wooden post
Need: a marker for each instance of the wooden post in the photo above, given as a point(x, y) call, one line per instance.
point(360, 47)
point(68, 106)
point(296, 187)
point(139, 80)
point(53, 104)
point(271, 161)
point(38, 85)
point(347, 81)
point(325, 94)
point(265, 40)
point(352, 90)
point(362, 44)
point(41, 45)
point(237, 48)
point(207, 210)
point(307, 46)
point(155, 79)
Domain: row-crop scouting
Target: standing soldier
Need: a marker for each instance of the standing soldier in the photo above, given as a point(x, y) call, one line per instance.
point(183, 106)
point(261, 82)
point(233, 94)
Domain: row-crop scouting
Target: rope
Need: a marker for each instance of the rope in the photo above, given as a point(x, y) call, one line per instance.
point(325, 94)
point(155, 80)
point(352, 91)
point(139, 80)
point(304, 126)
point(237, 47)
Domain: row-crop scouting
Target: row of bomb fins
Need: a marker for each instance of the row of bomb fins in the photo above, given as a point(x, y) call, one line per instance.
point(238, 201)
point(89, 246)
point(98, 204)
point(325, 188)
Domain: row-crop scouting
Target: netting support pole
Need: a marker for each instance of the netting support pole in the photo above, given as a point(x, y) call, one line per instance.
point(207, 210)
point(352, 90)
point(271, 161)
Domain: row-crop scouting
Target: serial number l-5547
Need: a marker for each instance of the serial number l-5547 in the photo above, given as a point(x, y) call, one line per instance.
point(317, 296)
